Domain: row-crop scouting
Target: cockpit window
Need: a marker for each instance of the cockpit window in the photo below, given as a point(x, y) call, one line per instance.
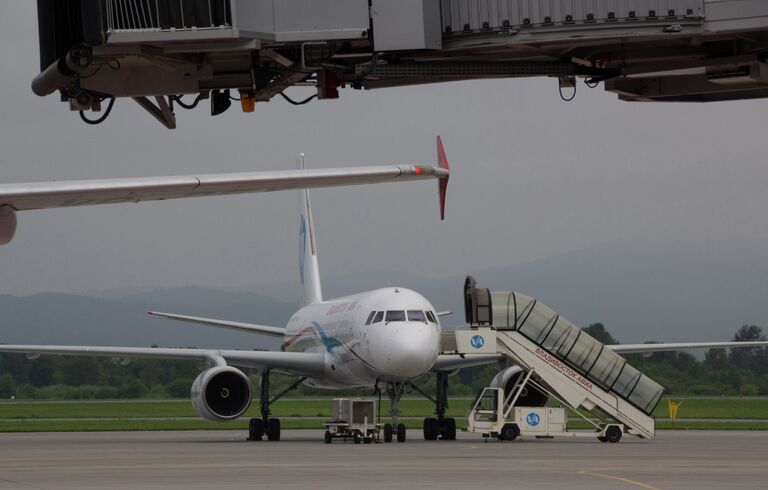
point(431, 317)
point(416, 316)
point(379, 316)
point(395, 316)
point(370, 318)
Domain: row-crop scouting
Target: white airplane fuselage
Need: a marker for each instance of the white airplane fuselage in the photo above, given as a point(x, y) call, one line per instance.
point(359, 352)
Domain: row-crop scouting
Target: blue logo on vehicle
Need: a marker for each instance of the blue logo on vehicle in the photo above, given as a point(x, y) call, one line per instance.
point(533, 419)
point(477, 341)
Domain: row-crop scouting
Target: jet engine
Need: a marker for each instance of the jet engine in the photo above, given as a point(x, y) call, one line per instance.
point(7, 224)
point(221, 393)
point(530, 397)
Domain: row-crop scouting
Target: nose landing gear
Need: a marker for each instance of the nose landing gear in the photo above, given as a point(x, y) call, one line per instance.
point(395, 392)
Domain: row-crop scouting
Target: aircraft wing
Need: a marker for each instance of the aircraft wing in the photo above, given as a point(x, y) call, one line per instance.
point(243, 327)
point(649, 348)
point(297, 363)
point(44, 195)
point(450, 362)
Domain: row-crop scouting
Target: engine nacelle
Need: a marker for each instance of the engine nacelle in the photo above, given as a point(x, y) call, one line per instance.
point(221, 393)
point(530, 397)
point(7, 224)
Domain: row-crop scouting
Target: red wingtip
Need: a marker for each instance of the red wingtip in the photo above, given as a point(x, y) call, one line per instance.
point(442, 162)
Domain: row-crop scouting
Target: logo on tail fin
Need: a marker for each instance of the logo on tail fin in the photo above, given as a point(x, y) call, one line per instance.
point(302, 247)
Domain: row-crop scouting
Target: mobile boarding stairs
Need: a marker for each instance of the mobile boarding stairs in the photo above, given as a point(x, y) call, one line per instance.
point(558, 359)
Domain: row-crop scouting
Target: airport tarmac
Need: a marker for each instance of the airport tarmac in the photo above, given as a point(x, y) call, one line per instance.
point(224, 459)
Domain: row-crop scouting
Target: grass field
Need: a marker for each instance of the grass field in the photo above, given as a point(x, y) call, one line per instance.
point(721, 413)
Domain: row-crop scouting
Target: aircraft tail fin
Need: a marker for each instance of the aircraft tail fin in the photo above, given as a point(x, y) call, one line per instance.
point(309, 270)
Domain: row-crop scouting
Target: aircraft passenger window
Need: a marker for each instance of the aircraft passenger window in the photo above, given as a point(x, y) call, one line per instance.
point(370, 318)
point(416, 316)
point(395, 316)
point(379, 316)
point(431, 317)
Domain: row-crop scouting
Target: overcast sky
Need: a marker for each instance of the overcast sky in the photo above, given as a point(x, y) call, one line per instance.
point(532, 176)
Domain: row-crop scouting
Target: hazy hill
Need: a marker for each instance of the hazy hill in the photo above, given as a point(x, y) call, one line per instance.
point(641, 291)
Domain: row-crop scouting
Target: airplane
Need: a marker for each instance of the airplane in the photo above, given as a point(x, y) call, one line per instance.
point(381, 339)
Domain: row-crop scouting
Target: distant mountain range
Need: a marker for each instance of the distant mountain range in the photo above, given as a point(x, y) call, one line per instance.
point(640, 291)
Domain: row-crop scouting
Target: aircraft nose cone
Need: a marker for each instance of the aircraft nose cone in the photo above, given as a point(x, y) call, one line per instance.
point(412, 350)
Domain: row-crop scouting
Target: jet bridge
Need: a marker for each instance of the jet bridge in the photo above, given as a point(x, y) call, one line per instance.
point(94, 51)
point(559, 359)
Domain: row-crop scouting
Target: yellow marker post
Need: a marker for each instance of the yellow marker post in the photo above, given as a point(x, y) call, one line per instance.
point(673, 408)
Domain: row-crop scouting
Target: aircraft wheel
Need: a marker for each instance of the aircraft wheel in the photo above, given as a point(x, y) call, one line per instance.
point(328, 437)
point(400, 432)
point(255, 429)
point(273, 430)
point(449, 433)
point(430, 429)
point(613, 434)
point(388, 432)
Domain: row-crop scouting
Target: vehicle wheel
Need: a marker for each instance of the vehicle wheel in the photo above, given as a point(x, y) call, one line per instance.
point(367, 440)
point(509, 432)
point(400, 432)
point(273, 430)
point(430, 429)
point(602, 439)
point(388, 432)
point(328, 437)
point(613, 434)
point(255, 429)
point(450, 429)
point(357, 438)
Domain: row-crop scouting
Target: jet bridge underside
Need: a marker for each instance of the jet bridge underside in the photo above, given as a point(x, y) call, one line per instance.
point(644, 50)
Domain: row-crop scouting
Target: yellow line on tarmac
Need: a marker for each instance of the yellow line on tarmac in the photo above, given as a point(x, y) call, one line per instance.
point(618, 478)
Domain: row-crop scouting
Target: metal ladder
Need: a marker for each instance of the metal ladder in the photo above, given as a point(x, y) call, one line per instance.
point(582, 373)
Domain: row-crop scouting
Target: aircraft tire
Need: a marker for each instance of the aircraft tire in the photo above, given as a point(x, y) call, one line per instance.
point(255, 429)
point(388, 432)
point(400, 432)
point(273, 430)
point(449, 433)
point(430, 429)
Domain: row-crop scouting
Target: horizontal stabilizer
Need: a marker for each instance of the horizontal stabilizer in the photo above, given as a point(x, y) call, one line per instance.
point(244, 327)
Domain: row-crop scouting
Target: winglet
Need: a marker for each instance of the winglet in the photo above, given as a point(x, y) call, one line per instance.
point(442, 162)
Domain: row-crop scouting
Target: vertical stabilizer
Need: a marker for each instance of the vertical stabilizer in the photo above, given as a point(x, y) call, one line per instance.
point(309, 271)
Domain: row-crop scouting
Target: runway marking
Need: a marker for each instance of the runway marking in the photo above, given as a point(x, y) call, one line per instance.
point(618, 478)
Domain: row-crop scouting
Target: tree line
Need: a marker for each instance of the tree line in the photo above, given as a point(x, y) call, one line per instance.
point(721, 372)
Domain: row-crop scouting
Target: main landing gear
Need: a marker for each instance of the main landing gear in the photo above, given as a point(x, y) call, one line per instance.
point(439, 427)
point(266, 426)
